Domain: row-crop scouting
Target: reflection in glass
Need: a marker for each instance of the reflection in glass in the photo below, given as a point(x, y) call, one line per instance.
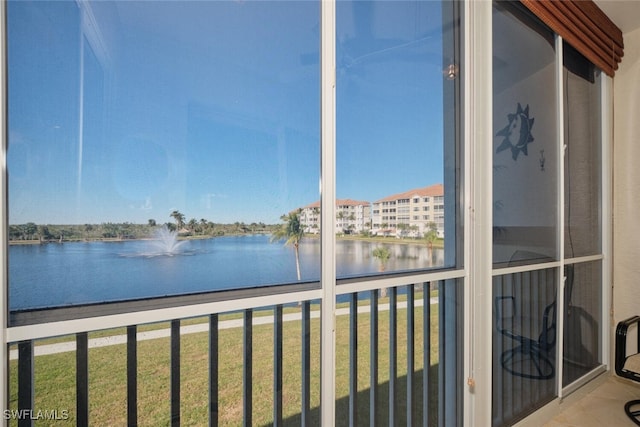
point(582, 155)
point(395, 125)
point(124, 116)
point(582, 313)
point(524, 343)
point(525, 160)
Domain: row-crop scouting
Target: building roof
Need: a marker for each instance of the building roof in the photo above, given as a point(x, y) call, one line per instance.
point(432, 190)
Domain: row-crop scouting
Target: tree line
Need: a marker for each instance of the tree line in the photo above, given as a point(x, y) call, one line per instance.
point(125, 230)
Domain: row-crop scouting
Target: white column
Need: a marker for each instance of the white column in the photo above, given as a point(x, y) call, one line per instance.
point(479, 142)
point(328, 217)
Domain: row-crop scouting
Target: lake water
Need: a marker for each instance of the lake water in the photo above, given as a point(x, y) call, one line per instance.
point(76, 273)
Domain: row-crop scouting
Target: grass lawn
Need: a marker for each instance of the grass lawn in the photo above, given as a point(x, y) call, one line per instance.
point(55, 375)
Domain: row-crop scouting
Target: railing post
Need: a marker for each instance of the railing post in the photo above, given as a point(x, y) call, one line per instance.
point(82, 379)
point(373, 360)
point(353, 359)
point(213, 370)
point(306, 364)
point(132, 376)
point(277, 366)
point(393, 353)
point(426, 355)
point(247, 373)
point(410, 351)
point(175, 373)
point(25, 381)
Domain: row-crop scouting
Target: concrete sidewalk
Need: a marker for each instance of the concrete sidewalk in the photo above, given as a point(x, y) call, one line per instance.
point(41, 350)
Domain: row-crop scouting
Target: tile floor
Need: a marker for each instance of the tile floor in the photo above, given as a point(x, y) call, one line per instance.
point(603, 406)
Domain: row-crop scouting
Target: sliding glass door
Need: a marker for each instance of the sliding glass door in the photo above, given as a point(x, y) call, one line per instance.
point(547, 227)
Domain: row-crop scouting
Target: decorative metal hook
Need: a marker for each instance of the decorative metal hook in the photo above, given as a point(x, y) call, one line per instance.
point(450, 72)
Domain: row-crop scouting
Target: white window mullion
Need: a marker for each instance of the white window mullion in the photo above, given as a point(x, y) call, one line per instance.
point(4, 237)
point(561, 150)
point(606, 215)
point(328, 217)
point(468, 302)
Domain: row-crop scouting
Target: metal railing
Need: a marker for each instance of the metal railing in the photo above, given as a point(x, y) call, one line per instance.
point(421, 384)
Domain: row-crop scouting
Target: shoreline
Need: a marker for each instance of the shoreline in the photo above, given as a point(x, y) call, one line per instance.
point(438, 244)
point(117, 240)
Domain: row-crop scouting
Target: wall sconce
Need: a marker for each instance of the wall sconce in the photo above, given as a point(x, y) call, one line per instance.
point(451, 72)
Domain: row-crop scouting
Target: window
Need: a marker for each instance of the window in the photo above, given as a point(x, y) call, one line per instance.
point(122, 121)
point(525, 212)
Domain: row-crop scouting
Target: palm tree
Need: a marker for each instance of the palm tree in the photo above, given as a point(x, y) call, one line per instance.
point(291, 231)
point(193, 223)
point(178, 218)
point(431, 235)
point(382, 254)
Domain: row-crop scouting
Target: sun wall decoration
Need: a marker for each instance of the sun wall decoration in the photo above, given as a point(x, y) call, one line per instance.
point(517, 134)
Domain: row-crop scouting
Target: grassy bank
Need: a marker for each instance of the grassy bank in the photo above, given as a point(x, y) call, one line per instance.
point(55, 375)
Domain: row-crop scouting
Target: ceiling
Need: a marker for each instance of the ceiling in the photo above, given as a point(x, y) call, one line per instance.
point(624, 13)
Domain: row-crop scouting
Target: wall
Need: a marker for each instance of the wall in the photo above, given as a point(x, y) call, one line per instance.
point(626, 182)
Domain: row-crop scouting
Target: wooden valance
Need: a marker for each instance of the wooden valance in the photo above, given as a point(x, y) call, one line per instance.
point(583, 25)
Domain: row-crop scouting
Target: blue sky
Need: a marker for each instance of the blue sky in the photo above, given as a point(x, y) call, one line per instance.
point(212, 108)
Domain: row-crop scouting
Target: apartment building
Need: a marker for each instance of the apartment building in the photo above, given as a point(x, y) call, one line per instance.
point(409, 213)
point(352, 217)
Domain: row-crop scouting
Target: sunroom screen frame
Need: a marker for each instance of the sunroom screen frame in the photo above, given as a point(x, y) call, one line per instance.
point(326, 292)
point(477, 273)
